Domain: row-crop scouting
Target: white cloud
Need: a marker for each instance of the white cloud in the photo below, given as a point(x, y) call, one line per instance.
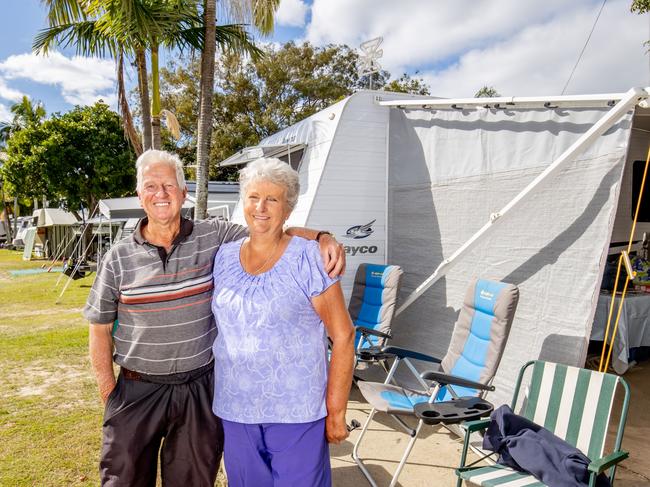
point(9, 93)
point(519, 47)
point(292, 13)
point(539, 59)
point(5, 114)
point(415, 32)
point(82, 80)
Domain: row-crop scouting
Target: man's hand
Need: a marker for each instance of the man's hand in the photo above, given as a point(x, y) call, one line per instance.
point(333, 255)
point(336, 430)
point(105, 391)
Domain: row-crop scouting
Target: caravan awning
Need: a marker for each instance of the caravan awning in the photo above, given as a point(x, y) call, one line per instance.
point(249, 154)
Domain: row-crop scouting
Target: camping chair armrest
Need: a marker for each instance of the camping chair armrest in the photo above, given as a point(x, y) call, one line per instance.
point(369, 331)
point(602, 464)
point(476, 425)
point(405, 353)
point(444, 379)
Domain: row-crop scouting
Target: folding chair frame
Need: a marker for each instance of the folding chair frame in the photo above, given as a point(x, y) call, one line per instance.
point(402, 356)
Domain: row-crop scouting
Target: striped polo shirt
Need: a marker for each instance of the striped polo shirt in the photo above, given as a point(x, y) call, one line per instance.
point(161, 301)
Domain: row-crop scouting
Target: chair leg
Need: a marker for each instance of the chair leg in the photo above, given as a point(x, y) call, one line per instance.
point(407, 452)
point(355, 450)
point(463, 457)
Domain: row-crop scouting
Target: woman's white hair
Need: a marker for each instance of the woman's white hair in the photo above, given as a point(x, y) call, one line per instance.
point(153, 156)
point(274, 171)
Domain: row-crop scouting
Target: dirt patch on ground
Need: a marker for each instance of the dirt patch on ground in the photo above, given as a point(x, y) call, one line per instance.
point(41, 380)
point(20, 314)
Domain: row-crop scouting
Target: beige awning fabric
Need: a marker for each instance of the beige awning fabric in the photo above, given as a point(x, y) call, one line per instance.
point(48, 217)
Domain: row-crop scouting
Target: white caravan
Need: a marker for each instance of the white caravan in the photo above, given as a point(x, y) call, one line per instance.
point(525, 190)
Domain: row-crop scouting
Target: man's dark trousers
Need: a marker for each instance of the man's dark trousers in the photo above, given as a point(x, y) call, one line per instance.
point(176, 410)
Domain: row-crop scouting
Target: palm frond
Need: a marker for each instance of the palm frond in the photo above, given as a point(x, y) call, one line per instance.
point(142, 22)
point(61, 12)
point(172, 123)
point(259, 13)
point(264, 15)
point(85, 37)
point(127, 120)
point(232, 38)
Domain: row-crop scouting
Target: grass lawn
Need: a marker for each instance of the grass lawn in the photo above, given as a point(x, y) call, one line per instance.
point(50, 412)
point(50, 415)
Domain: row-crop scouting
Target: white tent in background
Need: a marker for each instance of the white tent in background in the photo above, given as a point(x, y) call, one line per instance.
point(55, 231)
point(410, 181)
point(129, 207)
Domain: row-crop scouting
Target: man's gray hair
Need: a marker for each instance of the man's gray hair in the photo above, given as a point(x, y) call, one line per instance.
point(274, 171)
point(153, 156)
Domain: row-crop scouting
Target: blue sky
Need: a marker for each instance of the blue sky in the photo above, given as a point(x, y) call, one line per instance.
point(521, 47)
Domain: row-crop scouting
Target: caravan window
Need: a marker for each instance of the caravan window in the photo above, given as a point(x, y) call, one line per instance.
point(637, 177)
point(293, 158)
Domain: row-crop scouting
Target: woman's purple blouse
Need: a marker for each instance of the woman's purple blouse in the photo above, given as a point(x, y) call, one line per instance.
point(271, 349)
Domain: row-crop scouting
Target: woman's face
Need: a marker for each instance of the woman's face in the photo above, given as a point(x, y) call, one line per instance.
point(265, 207)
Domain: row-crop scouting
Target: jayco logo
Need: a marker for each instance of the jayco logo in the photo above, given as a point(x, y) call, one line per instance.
point(360, 231)
point(361, 249)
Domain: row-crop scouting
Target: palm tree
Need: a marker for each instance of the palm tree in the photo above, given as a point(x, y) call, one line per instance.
point(25, 114)
point(261, 14)
point(132, 27)
point(70, 24)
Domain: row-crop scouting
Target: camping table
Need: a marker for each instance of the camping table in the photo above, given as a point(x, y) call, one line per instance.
point(633, 327)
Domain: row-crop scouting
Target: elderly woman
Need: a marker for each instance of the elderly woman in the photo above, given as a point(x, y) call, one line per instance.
point(275, 305)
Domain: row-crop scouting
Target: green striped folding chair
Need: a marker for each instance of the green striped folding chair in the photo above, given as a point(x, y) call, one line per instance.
point(575, 404)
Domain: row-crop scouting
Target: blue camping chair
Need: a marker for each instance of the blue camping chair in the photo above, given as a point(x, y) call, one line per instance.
point(474, 353)
point(372, 306)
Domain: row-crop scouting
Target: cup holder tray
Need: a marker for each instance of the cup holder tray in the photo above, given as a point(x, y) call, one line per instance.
point(454, 411)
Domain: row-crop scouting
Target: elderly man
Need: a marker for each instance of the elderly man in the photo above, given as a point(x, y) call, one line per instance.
point(149, 310)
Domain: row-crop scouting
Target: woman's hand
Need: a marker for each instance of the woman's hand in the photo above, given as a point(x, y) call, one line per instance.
point(336, 430)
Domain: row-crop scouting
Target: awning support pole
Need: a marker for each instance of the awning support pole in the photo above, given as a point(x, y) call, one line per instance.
point(631, 98)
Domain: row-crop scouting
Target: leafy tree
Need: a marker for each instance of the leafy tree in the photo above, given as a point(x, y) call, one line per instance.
point(76, 158)
point(641, 7)
point(406, 84)
point(487, 92)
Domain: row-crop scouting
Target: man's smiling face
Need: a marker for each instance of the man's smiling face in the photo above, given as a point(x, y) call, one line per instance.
point(160, 195)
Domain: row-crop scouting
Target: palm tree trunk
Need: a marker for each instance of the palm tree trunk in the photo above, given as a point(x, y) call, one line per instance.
point(127, 121)
point(205, 110)
point(143, 89)
point(155, 92)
